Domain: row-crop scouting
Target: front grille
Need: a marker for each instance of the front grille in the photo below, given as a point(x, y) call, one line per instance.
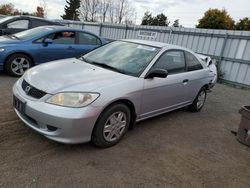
point(32, 91)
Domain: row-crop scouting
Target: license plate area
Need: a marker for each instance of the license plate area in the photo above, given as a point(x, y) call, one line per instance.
point(18, 104)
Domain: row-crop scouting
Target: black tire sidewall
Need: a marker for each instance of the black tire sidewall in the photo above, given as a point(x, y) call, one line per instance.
point(97, 135)
point(193, 107)
point(11, 58)
point(196, 100)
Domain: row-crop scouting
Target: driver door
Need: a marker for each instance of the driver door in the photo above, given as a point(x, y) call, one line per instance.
point(165, 94)
point(63, 46)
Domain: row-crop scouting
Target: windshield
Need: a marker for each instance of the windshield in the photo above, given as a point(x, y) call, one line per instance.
point(4, 19)
point(126, 57)
point(29, 34)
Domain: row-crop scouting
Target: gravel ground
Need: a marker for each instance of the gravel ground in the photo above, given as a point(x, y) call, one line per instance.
point(178, 149)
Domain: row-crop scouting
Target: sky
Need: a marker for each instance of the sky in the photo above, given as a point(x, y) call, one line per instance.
point(187, 11)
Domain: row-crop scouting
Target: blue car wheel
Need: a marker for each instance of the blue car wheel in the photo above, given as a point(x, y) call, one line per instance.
point(17, 64)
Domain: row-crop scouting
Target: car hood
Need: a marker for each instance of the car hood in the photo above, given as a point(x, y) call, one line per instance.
point(6, 40)
point(71, 75)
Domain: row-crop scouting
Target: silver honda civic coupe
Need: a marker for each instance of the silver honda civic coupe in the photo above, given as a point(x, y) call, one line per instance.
point(99, 96)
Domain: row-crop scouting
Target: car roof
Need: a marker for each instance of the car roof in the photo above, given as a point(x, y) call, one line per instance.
point(33, 17)
point(155, 44)
point(63, 27)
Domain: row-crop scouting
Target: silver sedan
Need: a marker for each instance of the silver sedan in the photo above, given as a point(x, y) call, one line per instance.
point(100, 95)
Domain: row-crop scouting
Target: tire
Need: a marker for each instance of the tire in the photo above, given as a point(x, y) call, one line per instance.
point(111, 126)
point(199, 101)
point(17, 64)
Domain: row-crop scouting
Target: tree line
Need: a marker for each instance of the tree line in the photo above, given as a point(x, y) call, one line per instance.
point(10, 10)
point(212, 19)
point(122, 11)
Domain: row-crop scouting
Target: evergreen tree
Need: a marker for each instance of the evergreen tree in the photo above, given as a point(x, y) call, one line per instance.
point(71, 10)
point(147, 19)
point(176, 23)
point(160, 19)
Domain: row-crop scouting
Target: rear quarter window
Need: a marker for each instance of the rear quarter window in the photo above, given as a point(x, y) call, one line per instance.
point(193, 63)
point(37, 23)
point(88, 39)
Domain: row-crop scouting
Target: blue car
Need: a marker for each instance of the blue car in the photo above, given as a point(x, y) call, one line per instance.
point(20, 51)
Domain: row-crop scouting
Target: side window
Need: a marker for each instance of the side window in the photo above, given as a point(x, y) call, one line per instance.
point(192, 62)
point(18, 24)
point(65, 37)
point(87, 39)
point(172, 61)
point(37, 23)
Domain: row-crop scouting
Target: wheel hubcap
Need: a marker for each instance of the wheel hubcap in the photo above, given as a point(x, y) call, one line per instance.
point(20, 65)
point(201, 99)
point(114, 126)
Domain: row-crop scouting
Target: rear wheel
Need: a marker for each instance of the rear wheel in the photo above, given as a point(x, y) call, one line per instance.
point(17, 64)
point(199, 101)
point(111, 126)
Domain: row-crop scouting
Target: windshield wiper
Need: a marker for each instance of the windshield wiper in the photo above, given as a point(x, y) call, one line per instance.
point(102, 65)
point(108, 67)
point(12, 36)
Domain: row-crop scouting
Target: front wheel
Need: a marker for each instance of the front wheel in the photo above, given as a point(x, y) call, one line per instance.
point(17, 64)
point(199, 101)
point(111, 126)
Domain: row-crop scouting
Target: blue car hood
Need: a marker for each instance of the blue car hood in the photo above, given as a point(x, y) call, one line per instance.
point(6, 40)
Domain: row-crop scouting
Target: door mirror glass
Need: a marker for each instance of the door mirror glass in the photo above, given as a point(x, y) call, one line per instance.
point(210, 62)
point(157, 73)
point(48, 41)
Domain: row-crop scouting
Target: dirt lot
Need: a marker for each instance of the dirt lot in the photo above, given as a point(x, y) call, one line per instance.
point(179, 149)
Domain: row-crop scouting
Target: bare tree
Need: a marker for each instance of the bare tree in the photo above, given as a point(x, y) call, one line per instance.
point(93, 9)
point(84, 9)
point(120, 11)
point(89, 9)
point(43, 5)
point(111, 11)
point(104, 7)
point(115, 11)
point(120, 8)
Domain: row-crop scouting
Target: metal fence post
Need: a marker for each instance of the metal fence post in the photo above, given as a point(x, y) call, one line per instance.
point(126, 31)
point(223, 48)
point(100, 29)
point(169, 36)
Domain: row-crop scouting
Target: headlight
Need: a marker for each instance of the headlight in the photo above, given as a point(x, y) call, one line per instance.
point(2, 49)
point(73, 99)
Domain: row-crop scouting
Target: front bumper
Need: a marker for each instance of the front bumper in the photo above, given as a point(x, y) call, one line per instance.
point(61, 124)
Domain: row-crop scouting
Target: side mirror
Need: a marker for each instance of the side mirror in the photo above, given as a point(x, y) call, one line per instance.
point(210, 62)
point(47, 41)
point(157, 73)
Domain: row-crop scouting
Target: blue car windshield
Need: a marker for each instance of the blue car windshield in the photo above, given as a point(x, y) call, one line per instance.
point(29, 34)
point(124, 57)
